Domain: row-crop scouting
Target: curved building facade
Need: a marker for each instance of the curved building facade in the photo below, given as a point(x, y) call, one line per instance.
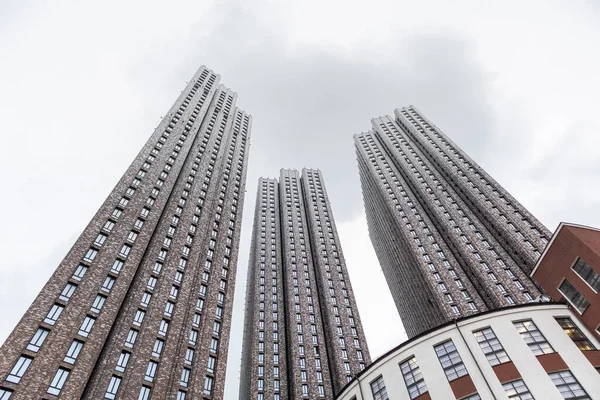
point(535, 351)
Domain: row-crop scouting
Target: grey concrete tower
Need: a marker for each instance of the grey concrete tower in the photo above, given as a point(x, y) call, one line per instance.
point(140, 307)
point(451, 241)
point(303, 338)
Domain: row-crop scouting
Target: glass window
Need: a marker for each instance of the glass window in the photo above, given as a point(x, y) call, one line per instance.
point(211, 365)
point(214, 345)
point(185, 377)
point(37, 340)
point(113, 387)
point(533, 337)
point(413, 378)
point(116, 213)
point(79, 272)
point(73, 352)
point(90, 255)
point(321, 390)
point(567, 385)
point(58, 381)
point(178, 277)
point(586, 273)
point(208, 383)
point(491, 347)
point(378, 389)
point(517, 390)
point(131, 337)
point(132, 236)
point(17, 372)
point(67, 292)
point(5, 394)
point(117, 266)
point(86, 326)
point(157, 267)
point(100, 239)
point(98, 303)
point(575, 334)
point(164, 327)
point(573, 296)
point(139, 223)
point(54, 313)
point(144, 393)
point(450, 360)
point(139, 317)
point(151, 370)
point(122, 362)
point(169, 308)
point(157, 349)
point(151, 283)
point(193, 337)
point(189, 357)
point(125, 250)
point(108, 284)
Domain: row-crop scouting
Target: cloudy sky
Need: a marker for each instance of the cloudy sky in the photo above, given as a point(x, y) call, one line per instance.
point(83, 84)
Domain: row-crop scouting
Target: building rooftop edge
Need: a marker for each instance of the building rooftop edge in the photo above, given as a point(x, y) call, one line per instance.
point(554, 235)
point(302, 169)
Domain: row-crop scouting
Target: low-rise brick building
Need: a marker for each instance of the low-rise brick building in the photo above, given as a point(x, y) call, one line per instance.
point(569, 270)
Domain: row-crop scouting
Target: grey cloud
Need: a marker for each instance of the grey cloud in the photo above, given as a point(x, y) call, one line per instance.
point(567, 177)
point(308, 103)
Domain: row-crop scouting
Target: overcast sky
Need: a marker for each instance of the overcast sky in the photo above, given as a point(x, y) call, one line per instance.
point(83, 84)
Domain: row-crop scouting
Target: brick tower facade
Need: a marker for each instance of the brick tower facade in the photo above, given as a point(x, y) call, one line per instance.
point(303, 337)
point(140, 306)
point(451, 240)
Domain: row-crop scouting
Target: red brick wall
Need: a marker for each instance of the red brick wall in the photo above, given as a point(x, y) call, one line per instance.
point(570, 243)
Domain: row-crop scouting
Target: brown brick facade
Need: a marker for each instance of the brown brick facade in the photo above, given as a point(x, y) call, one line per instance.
point(341, 321)
point(451, 241)
point(570, 243)
point(296, 263)
point(149, 242)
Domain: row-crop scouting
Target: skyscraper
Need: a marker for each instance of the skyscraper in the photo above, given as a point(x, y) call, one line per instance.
point(140, 306)
point(303, 337)
point(451, 241)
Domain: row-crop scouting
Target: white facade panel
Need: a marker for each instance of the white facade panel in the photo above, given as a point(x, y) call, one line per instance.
point(484, 378)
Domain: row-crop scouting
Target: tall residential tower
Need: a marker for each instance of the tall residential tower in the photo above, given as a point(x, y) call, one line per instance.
point(140, 307)
point(303, 338)
point(451, 241)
